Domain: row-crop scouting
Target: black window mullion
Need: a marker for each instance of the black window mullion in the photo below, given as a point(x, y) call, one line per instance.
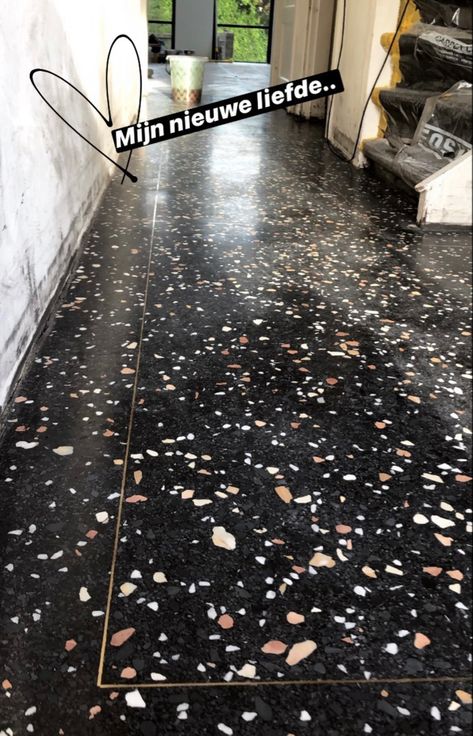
point(240, 25)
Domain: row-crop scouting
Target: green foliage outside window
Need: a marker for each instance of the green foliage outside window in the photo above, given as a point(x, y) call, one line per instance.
point(250, 44)
point(160, 9)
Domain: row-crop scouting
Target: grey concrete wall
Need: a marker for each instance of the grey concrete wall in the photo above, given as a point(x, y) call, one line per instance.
point(51, 180)
point(194, 25)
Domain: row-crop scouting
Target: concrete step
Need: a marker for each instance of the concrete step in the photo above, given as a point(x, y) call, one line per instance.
point(405, 165)
point(444, 132)
point(449, 112)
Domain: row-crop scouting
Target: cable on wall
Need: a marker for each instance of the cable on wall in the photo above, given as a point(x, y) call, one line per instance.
point(373, 88)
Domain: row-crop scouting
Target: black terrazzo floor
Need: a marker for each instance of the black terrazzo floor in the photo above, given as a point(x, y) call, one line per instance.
point(275, 460)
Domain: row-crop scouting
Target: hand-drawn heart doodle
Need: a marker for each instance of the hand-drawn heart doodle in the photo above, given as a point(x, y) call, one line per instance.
point(108, 120)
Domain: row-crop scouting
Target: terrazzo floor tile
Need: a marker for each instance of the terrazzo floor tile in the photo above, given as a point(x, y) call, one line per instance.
point(236, 476)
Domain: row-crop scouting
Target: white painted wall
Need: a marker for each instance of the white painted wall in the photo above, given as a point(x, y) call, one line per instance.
point(50, 180)
point(195, 26)
point(362, 58)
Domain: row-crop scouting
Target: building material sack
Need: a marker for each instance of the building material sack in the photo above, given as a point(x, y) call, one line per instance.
point(458, 14)
point(446, 126)
point(435, 57)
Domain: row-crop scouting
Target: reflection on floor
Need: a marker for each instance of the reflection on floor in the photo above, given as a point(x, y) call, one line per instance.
point(252, 407)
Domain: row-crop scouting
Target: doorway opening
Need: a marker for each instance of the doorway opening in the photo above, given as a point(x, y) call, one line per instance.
point(251, 22)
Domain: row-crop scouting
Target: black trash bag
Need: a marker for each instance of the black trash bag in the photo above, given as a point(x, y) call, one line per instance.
point(156, 44)
point(435, 57)
point(403, 107)
point(457, 14)
point(415, 163)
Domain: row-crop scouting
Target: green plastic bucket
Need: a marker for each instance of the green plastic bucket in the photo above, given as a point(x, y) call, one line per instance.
point(187, 78)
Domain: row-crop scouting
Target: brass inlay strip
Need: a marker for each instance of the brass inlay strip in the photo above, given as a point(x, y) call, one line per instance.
point(294, 683)
point(128, 442)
